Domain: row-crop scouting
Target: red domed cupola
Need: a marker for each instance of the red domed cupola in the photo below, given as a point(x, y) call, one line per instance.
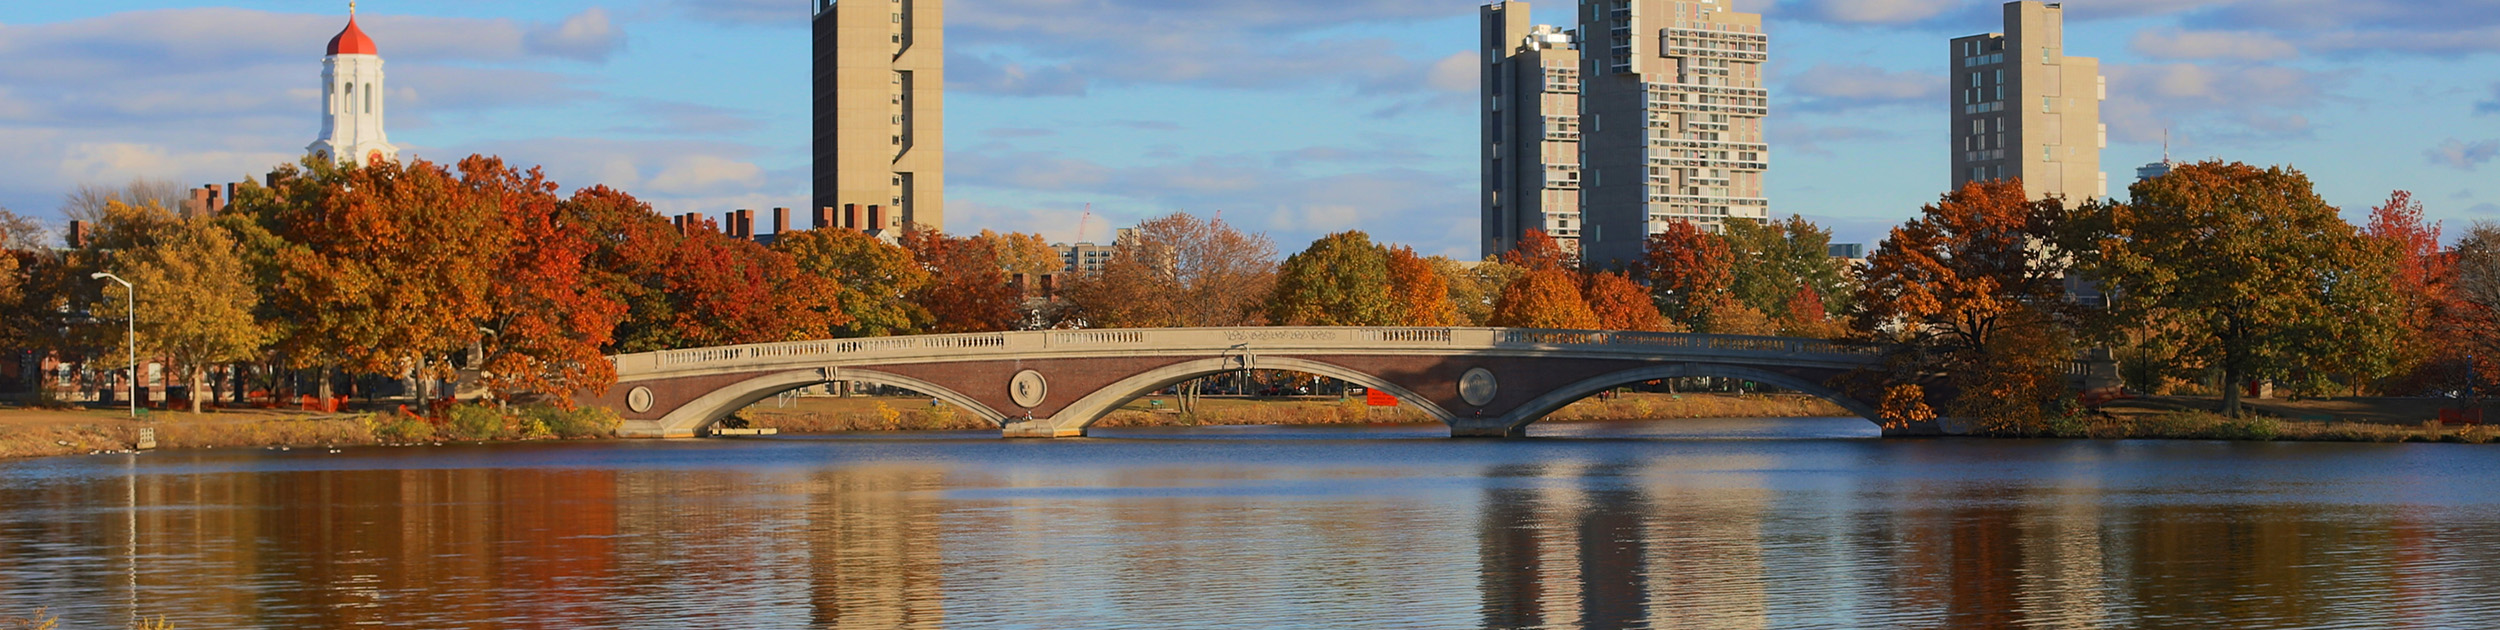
point(352, 41)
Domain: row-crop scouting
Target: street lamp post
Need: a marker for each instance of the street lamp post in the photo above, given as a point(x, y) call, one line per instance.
point(133, 319)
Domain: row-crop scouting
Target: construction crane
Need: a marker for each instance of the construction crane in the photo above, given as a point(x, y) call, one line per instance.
point(1081, 221)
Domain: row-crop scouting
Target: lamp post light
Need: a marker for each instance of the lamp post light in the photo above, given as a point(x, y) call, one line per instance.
point(133, 338)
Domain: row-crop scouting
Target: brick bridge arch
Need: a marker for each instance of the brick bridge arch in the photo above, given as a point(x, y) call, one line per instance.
point(1071, 379)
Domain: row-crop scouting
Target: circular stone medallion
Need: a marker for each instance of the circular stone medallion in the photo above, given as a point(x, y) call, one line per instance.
point(1028, 389)
point(639, 400)
point(1478, 387)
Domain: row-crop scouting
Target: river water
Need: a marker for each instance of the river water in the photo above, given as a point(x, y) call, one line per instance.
point(1672, 524)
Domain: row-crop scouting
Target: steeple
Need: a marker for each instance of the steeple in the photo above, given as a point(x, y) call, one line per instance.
point(353, 99)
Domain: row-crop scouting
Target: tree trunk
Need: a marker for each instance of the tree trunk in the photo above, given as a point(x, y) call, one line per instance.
point(2233, 381)
point(199, 386)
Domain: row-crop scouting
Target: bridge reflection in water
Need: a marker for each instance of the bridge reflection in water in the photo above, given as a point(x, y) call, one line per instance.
point(1307, 534)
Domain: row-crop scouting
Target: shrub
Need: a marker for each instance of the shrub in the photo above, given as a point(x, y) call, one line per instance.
point(475, 422)
point(399, 430)
point(584, 422)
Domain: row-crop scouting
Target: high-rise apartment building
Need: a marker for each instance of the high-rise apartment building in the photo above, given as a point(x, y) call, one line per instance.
point(2023, 109)
point(1665, 109)
point(880, 137)
point(1671, 102)
point(1531, 129)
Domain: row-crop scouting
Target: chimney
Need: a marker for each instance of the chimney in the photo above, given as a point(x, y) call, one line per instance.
point(1050, 287)
point(1021, 284)
point(77, 235)
point(850, 217)
point(216, 199)
point(824, 217)
point(876, 217)
point(198, 203)
point(781, 220)
point(745, 220)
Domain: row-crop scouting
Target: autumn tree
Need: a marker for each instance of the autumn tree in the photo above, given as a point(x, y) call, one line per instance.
point(1689, 271)
point(546, 321)
point(2425, 280)
point(1474, 288)
point(629, 261)
point(2477, 264)
point(1772, 260)
point(874, 281)
point(1544, 297)
point(2259, 275)
point(1957, 283)
point(1806, 316)
point(1422, 292)
point(968, 290)
point(1342, 280)
point(196, 296)
point(1178, 271)
point(1618, 303)
point(1539, 250)
point(385, 268)
point(1022, 254)
point(731, 291)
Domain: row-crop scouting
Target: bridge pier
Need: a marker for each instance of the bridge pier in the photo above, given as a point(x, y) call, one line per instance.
point(1039, 430)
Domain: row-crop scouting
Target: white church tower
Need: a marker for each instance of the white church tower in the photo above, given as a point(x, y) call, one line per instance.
point(351, 116)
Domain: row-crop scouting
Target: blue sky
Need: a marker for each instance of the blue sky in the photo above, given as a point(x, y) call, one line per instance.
point(1296, 117)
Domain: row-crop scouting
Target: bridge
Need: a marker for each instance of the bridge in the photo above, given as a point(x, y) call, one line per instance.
point(1482, 382)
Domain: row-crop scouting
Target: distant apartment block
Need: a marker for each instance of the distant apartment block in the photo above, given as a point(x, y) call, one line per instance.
point(880, 134)
point(1672, 105)
point(2023, 109)
point(1665, 109)
point(1089, 258)
point(1531, 130)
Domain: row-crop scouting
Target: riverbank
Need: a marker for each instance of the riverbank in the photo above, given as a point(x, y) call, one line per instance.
point(2384, 420)
point(858, 414)
point(26, 432)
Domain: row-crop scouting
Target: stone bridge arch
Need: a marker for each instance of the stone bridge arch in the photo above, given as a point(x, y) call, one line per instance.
point(1092, 407)
point(1515, 424)
point(698, 415)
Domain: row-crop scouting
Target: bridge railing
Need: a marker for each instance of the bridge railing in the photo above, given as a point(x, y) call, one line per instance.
point(1202, 339)
point(1734, 343)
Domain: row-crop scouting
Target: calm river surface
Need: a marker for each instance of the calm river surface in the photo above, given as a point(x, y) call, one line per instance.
point(1674, 524)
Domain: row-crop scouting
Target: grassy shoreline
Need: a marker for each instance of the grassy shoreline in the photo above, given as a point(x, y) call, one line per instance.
point(34, 433)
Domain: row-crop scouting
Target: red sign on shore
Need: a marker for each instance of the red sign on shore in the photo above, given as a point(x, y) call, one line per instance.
point(1379, 398)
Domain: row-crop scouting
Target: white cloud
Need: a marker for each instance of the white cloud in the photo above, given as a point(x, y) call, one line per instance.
point(2463, 155)
point(1461, 72)
point(1836, 87)
point(586, 36)
point(2239, 45)
point(2223, 99)
point(1882, 11)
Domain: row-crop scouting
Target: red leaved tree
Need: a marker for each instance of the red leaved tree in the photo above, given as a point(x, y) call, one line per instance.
point(1621, 304)
point(967, 292)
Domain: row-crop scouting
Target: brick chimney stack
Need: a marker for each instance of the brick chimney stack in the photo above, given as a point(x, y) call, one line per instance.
point(77, 235)
point(781, 221)
point(824, 217)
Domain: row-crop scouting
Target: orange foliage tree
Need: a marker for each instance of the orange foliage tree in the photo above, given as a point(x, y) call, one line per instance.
point(1806, 316)
point(2437, 332)
point(630, 250)
point(549, 322)
point(1538, 250)
point(386, 269)
point(1621, 304)
point(730, 291)
point(1970, 270)
point(1178, 271)
point(968, 291)
point(1422, 293)
point(1545, 297)
point(1687, 267)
